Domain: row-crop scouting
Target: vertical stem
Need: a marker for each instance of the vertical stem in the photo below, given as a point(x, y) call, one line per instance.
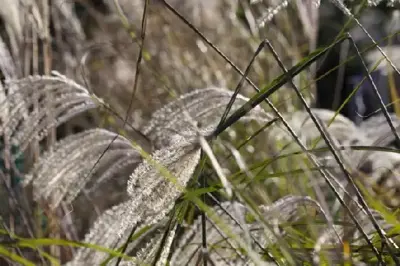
point(47, 60)
point(51, 138)
point(394, 96)
point(7, 167)
point(204, 224)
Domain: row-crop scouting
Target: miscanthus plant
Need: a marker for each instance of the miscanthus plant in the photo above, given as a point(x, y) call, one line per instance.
point(223, 180)
point(239, 232)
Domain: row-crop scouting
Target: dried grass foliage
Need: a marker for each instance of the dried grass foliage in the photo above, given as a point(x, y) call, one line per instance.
point(117, 188)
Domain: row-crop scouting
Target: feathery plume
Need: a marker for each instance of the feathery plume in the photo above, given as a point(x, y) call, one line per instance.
point(377, 170)
point(153, 189)
point(152, 192)
point(380, 175)
point(340, 131)
point(341, 128)
point(67, 100)
point(329, 238)
point(378, 130)
point(104, 232)
point(149, 252)
point(384, 67)
point(61, 173)
point(271, 12)
point(9, 70)
point(204, 106)
point(223, 250)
